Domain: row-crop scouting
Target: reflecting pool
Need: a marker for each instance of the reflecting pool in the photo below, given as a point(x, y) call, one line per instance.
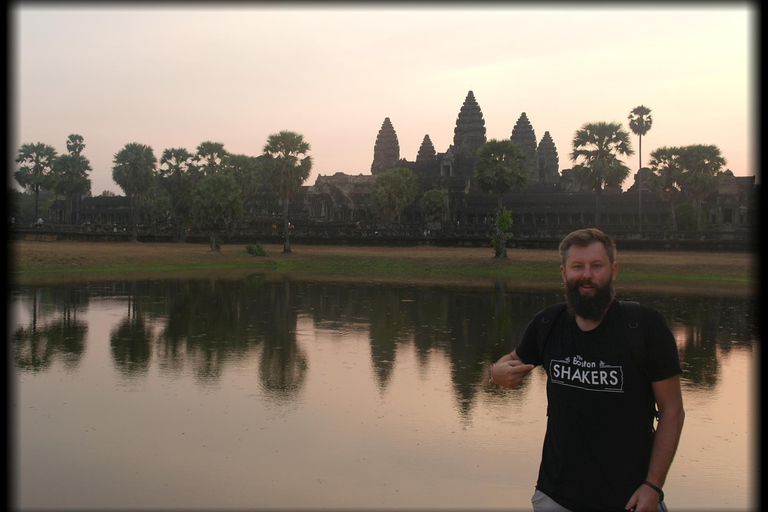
point(264, 393)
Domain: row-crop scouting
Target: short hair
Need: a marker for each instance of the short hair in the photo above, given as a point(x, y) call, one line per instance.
point(585, 237)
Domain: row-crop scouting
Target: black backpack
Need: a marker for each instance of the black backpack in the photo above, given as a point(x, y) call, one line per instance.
point(630, 312)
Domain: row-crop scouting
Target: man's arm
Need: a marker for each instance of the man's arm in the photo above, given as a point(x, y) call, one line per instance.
point(671, 416)
point(509, 370)
point(669, 399)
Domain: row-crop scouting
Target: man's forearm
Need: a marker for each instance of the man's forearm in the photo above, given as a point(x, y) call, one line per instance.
point(665, 443)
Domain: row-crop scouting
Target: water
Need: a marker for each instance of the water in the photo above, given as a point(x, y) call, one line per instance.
point(265, 393)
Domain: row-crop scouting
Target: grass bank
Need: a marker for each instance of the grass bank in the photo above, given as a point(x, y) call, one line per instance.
point(35, 262)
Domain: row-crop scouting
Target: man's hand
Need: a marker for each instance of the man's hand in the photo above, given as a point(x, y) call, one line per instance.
point(645, 499)
point(510, 373)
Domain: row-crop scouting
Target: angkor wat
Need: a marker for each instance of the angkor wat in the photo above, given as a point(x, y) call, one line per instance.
point(553, 204)
point(553, 197)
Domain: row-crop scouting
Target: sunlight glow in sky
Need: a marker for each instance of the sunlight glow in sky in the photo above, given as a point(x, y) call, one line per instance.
point(176, 76)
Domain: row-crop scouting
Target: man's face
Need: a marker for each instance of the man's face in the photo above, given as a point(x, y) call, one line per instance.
point(588, 277)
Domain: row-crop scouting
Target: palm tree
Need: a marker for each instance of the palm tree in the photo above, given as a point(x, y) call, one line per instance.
point(36, 168)
point(640, 122)
point(287, 171)
point(211, 157)
point(71, 175)
point(500, 169)
point(134, 172)
point(596, 151)
point(701, 168)
point(75, 144)
point(178, 174)
point(665, 177)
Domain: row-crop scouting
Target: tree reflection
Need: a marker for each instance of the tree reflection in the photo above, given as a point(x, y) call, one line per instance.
point(430, 319)
point(208, 325)
point(389, 325)
point(707, 329)
point(37, 345)
point(131, 341)
point(283, 365)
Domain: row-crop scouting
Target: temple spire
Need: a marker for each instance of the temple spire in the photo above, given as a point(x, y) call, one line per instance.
point(524, 135)
point(469, 133)
point(386, 152)
point(426, 151)
point(549, 162)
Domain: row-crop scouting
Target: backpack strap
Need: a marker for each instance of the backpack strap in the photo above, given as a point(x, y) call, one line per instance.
point(546, 318)
point(630, 311)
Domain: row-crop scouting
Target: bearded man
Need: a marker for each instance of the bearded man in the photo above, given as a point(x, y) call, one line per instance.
point(601, 452)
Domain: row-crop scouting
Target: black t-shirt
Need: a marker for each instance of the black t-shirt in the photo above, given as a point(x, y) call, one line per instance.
point(599, 435)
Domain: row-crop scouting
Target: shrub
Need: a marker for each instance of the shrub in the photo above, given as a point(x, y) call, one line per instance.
point(256, 250)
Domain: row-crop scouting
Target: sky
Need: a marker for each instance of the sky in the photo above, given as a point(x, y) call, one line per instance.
point(176, 75)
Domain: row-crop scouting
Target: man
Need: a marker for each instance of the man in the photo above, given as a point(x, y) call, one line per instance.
point(600, 451)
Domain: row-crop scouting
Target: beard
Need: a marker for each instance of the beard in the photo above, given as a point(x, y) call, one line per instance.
point(589, 307)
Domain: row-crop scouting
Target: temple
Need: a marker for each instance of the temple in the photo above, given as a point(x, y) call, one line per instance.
point(553, 198)
point(553, 203)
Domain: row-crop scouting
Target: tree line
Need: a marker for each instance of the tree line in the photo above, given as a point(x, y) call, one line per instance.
point(207, 189)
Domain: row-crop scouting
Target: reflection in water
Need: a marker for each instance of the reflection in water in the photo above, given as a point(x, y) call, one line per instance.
point(706, 331)
point(278, 334)
point(283, 366)
point(53, 331)
point(131, 340)
point(208, 325)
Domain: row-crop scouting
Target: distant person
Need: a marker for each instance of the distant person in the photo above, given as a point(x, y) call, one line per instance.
point(39, 222)
point(609, 364)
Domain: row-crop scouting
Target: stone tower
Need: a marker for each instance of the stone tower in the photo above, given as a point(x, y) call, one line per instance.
point(524, 135)
point(386, 152)
point(549, 162)
point(426, 151)
point(469, 133)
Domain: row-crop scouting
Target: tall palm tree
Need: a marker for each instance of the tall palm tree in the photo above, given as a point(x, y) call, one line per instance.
point(287, 171)
point(500, 169)
point(640, 122)
point(71, 175)
point(134, 172)
point(596, 151)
